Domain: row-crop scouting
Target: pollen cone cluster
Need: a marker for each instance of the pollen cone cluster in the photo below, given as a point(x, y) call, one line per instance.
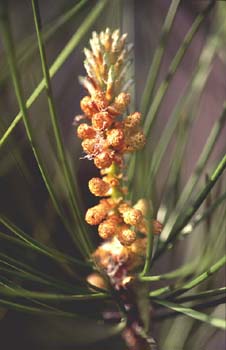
point(107, 134)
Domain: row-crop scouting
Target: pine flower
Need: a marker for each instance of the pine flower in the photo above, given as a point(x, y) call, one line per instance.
point(89, 146)
point(107, 140)
point(107, 229)
point(132, 121)
point(134, 142)
point(96, 214)
point(98, 187)
point(126, 236)
point(120, 103)
point(99, 100)
point(115, 137)
point(132, 216)
point(104, 159)
point(85, 131)
point(101, 121)
point(88, 107)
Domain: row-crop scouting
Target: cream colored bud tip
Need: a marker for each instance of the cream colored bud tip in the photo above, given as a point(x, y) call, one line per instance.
point(96, 280)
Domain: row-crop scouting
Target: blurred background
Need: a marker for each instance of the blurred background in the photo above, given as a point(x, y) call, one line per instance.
point(24, 198)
